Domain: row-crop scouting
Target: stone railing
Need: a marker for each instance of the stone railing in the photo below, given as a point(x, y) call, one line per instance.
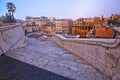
point(103, 54)
point(11, 37)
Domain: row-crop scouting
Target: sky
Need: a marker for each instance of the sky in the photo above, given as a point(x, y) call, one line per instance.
point(71, 9)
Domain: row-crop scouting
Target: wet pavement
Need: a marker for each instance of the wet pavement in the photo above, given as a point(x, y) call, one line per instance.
point(49, 56)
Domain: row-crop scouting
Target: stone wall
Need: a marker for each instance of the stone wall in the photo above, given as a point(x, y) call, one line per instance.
point(103, 54)
point(11, 37)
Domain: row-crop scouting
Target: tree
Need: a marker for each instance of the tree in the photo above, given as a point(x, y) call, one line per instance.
point(8, 18)
point(11, 9)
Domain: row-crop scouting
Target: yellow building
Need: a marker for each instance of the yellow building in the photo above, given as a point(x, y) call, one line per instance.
point(49, 28)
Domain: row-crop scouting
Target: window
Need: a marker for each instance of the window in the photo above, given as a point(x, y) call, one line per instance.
point(82, 28)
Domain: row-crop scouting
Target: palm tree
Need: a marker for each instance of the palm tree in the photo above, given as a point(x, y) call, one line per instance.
point(11, 8)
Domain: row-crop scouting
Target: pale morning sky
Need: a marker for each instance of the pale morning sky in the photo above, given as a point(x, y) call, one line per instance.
point(62, 8)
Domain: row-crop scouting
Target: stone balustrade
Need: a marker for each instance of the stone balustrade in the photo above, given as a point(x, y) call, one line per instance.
point(11, 37)
point(103, 54)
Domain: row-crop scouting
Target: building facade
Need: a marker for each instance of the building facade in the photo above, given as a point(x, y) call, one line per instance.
point(58, 25)
point(82, 26)
point(63, 26)
point(49, 28)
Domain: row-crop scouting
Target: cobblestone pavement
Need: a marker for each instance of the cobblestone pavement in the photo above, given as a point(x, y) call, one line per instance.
point(49, 56)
